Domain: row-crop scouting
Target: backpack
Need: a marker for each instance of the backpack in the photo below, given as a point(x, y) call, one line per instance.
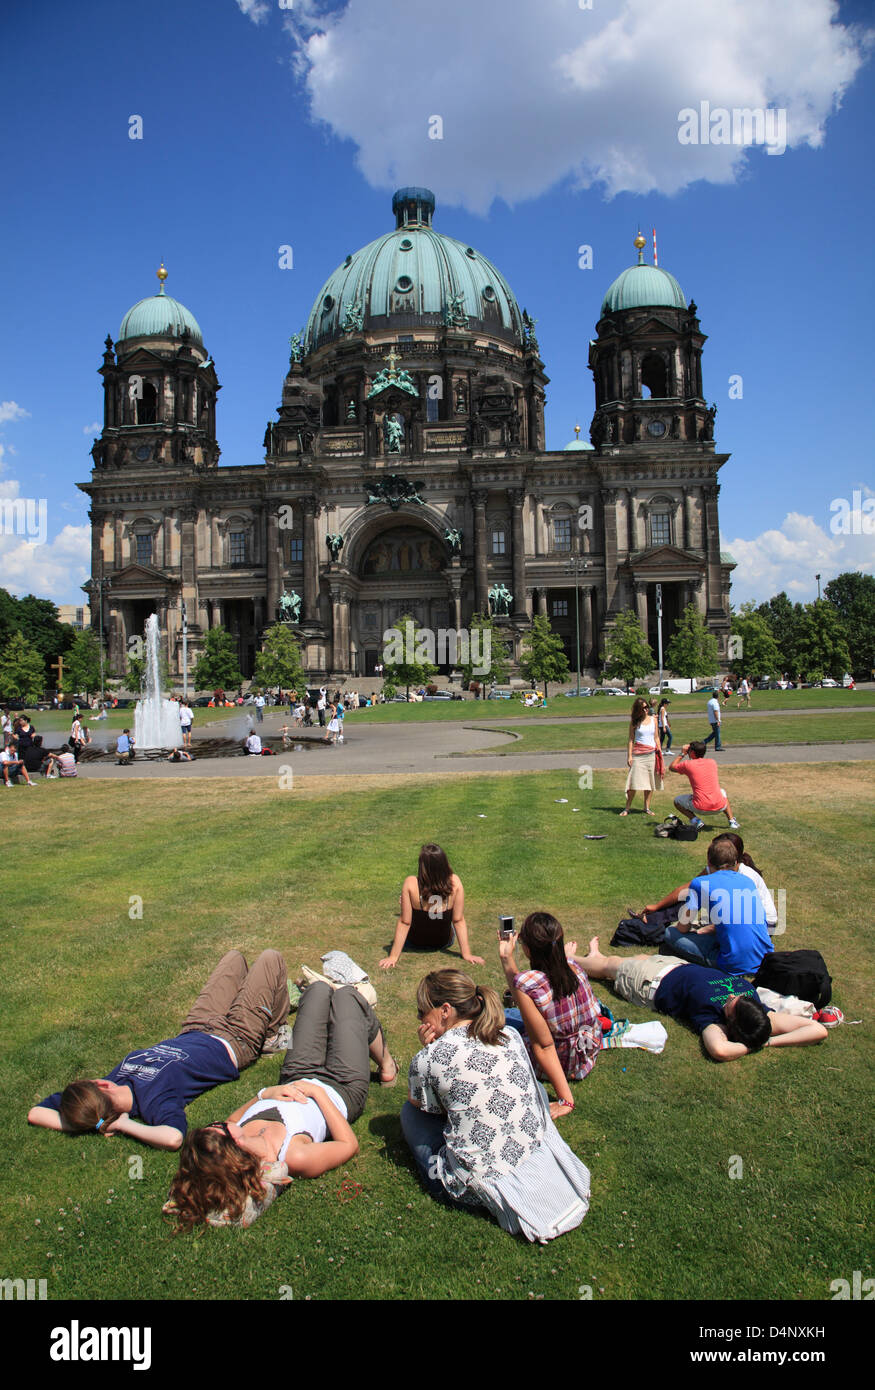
point(672, 829)
point(802, 973)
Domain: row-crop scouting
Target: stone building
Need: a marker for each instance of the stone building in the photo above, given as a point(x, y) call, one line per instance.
point(406, 471)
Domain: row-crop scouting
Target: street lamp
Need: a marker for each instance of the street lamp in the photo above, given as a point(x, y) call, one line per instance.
point(92, 587)
point(577, 566)
point(817, 577)
point(659, 630)
point(184, 651)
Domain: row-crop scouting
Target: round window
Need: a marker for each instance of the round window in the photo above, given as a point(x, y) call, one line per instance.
point(406, 244)
point(327, 304)
point(656, 428)
point(489, 293)
point(405, 284)
point(471, 252)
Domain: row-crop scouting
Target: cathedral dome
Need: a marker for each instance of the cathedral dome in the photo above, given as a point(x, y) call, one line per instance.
point(643, 286)
point(159, 316)
point(414, 277)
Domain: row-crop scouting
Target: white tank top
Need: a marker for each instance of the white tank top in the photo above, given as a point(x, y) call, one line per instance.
point(645, 736)
point(298, 1118)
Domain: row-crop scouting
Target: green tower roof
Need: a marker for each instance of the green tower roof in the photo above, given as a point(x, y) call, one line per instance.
point(643, 286)
point(159, 316)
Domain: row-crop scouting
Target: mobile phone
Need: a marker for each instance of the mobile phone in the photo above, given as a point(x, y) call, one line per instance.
point(505, 928)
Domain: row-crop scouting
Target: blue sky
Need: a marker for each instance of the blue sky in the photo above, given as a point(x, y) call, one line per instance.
point(266, 125)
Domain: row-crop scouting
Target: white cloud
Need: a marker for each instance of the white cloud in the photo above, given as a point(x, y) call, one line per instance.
point(92, 429)
point(10, 410)
point(531, 94)
point(788, 558)
point(256, 10)
point(53, 570)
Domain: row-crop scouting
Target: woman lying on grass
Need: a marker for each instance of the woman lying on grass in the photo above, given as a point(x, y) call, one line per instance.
point(231, 1170)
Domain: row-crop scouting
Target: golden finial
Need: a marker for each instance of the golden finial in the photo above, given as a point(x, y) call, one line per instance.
point(640, 242)
point(577, 431)
point(162, 276)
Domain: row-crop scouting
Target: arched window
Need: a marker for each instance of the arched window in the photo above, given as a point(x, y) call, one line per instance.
point(653, 377)
point(147, 406)
point(660, 526)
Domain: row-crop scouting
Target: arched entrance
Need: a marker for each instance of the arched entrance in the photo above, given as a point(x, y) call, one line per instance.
point(400, 571)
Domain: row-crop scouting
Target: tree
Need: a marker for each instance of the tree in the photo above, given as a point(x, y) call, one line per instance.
point(22, 671)
point(692, 650)
point(279, 661)
point(758, 654)
point(627, 652)
point(852, 595)
point(37, 621)
point(217, 667)
point(543, 657)
point(782, 617)
point(82, 663)
point(820, 645)
point(405, 655)
point(498, 662)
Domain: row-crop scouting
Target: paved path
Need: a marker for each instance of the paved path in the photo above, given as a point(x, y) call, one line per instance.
point(389, 749)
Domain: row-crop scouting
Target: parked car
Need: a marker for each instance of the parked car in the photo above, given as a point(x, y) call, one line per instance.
point(573, 694)
point(829, 684)
point(500, 692)
point(443, 695)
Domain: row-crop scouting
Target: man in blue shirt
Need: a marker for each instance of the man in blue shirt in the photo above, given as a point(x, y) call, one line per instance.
point(734, 937)
point(725, 1010)
point(239, 1014)
point(124, 748)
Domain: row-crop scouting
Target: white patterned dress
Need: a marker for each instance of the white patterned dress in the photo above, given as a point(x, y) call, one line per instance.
point(493, 1109)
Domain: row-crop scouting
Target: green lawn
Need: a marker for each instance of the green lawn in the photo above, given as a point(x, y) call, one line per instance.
point(221, 864)
point(597, 706)
point(736, 732)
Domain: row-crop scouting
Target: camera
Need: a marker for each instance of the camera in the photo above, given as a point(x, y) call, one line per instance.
point(505, 928)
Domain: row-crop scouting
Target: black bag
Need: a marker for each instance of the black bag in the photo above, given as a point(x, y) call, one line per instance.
point(802, 973)
point(673, 829)
point(634, 931)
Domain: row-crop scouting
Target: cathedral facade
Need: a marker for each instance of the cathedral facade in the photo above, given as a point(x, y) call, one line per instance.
point(406, 473)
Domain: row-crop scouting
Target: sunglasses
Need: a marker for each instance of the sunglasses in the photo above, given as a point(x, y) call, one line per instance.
point(222, 1125)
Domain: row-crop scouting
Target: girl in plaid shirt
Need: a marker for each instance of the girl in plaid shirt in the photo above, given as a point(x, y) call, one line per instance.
point(554, 1004)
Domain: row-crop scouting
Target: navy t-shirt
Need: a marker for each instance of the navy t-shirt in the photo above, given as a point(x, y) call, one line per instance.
point(165, 1077)
point(697, 993)
point(730, 900)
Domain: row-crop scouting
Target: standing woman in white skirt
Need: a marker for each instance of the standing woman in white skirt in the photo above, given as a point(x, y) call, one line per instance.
point(333, 725)
point(644, 756)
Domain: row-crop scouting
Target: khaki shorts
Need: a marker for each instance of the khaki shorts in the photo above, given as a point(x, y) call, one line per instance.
point(638, 977)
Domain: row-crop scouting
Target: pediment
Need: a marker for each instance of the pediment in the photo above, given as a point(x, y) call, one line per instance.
point(652, 327)
point(137, 575)
point(665, 557)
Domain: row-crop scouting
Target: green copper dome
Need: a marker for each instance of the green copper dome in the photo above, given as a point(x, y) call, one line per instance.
point(643, 286)
point(414, 277)
point(159, 316)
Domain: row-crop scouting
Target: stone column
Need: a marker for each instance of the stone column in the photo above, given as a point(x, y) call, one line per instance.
point(641, 604)
point(711, 540)
point(516, 497)
point(530, 603)
point(215, 543)
point(311, 564)
point(96, 519)
point(481, 582)
point(117, 554)
point(168, 540)
point(586, 624)
point(609, 502)
point(339, 629)
point(542, 602)
point(690, 519)
point(454, 582)
point(274, 562)
point(630, 521)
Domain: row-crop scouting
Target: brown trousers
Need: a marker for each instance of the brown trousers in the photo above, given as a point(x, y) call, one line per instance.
point(245, 1006)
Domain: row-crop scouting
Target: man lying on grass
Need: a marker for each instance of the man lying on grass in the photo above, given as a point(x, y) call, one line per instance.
point(724, 1009)
point(239, 1014)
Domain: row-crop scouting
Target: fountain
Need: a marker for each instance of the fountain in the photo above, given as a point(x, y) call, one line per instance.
point(156, 720)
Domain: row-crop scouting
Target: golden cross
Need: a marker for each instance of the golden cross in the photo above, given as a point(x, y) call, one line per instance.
point(392, 357)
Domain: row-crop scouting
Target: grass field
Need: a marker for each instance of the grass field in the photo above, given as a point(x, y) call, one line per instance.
point(221, 864)
point(736, 732)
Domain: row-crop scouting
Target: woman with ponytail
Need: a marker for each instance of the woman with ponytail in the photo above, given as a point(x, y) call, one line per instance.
point(554, 1004)
point(476, 1120)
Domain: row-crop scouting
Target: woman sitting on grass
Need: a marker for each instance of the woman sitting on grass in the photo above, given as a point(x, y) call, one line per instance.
point(555, 1007)
point(432, 910)
point(478, 1123)
point(228, 1171)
